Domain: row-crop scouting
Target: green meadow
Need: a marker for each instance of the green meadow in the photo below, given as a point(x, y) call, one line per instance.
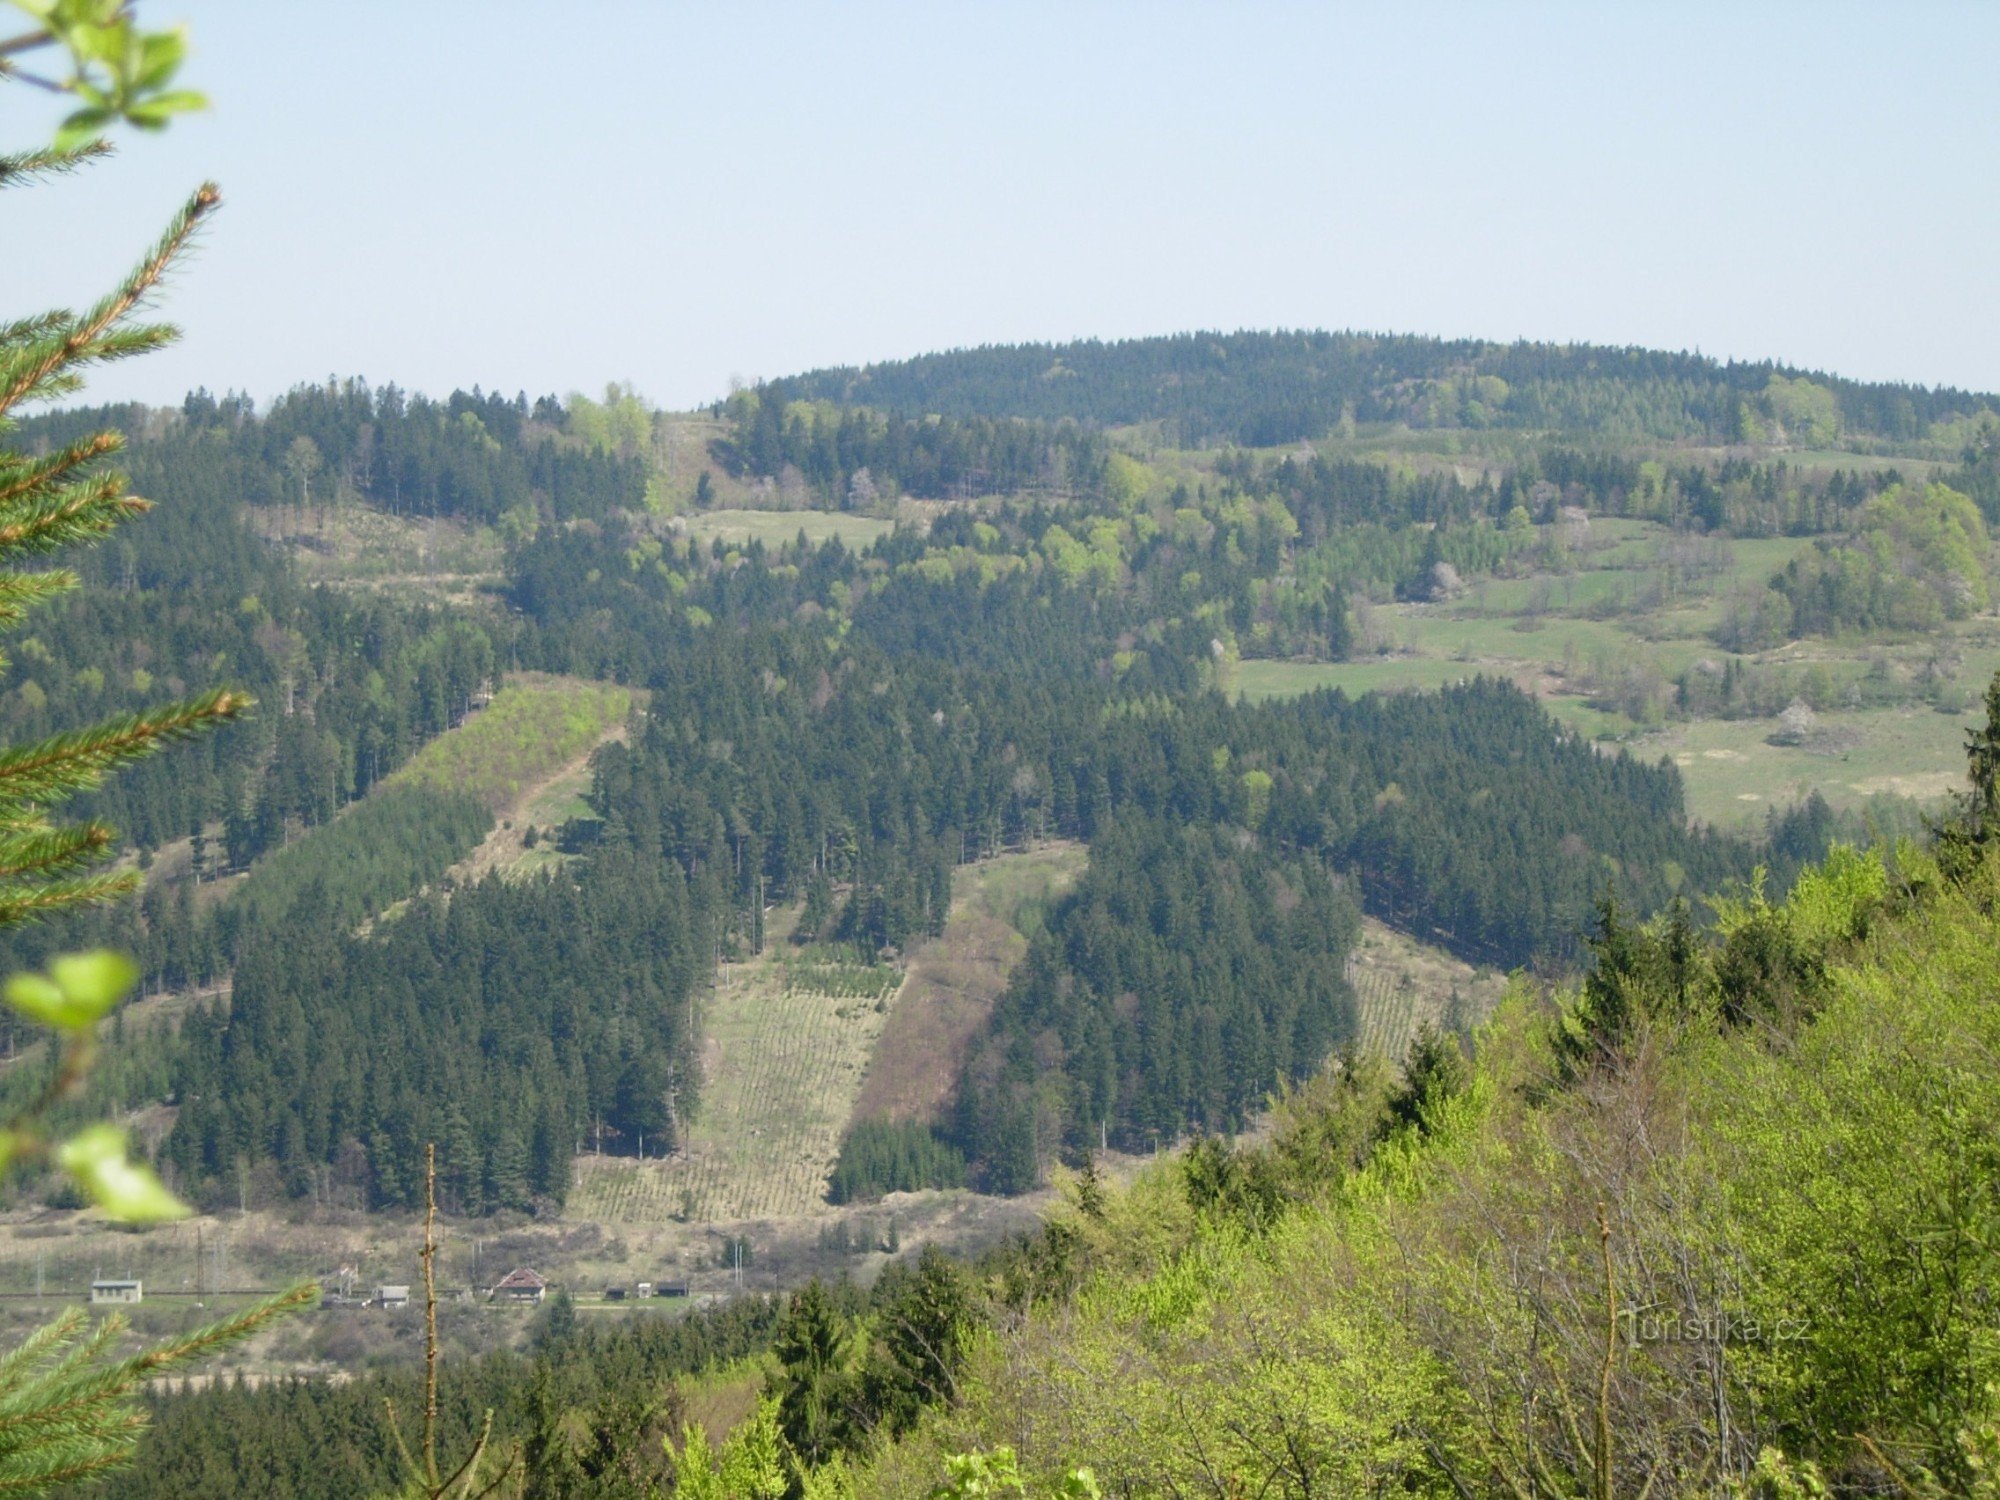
point(1605, 641)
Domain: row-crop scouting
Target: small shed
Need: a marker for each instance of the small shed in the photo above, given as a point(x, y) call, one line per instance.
point(644, 1289)
point(115, 1291)
point(392, 1296)
point(520, 1285)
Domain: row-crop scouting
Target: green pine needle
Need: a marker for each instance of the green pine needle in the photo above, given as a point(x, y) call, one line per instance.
point(28, 902)
point(68, 763)
point(57, 852)
point(67, 1410)
point(20, 592)
point(20, 477)
point(97, 334)
point(66, 514)
point(25, 166)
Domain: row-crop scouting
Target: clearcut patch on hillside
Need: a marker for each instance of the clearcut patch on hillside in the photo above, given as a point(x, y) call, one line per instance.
point(795, 1040)
point(537, 814)
point(786, 1038)
point(1401, 984)
point(956, 978)
point(526, 755)
point(536, 726)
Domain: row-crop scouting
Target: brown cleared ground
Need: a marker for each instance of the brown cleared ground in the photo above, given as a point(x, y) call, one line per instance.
point(955, 979)
point(793, 1051)
point(358, 545)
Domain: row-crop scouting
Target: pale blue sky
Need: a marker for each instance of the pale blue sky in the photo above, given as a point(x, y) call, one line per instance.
point(548, 197)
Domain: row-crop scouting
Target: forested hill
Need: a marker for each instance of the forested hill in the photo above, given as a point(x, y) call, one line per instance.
point(1261, 389)
point(828, 728)
point(471, 455)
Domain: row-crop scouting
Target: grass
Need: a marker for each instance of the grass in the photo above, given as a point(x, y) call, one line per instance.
point(1401, 984)
point(1733, 772)
point(535, 726)
point(776, 528)
point(1553, 633)
point(783, 1062)
point(1258, 680)
point(955, 979)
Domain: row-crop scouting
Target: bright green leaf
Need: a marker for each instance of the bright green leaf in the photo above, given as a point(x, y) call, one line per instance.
point(38, 997)
point(124, 1189)
point(76, 993)
point(95, 981)
point(179, 101)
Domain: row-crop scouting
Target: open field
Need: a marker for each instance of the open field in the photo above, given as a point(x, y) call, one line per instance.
point(1401, 984)
point(777, 527)
point(782, 1062)
point(1732, 769)
point(535, 726)
point(361, 545)
point(792, 1047)
point(955, 979)
point(1571, 638)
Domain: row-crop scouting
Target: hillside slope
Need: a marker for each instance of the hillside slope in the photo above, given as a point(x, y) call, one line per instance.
point(1261, 389)
point(1729, 1201)
point(801, 1039)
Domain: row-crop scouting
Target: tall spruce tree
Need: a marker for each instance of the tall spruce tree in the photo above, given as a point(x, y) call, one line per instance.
point(58, 499)
point(68, 1408)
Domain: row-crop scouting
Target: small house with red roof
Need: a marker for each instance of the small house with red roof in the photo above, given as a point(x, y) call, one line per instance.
point(521, 1285)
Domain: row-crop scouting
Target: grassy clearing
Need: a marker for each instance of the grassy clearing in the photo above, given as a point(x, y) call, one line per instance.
point(1558, 634)
point(1401, 984)
point(535, 726)
point(1733, 772)
point(798, 1038)
point(1258, 680)
point(778, 527)
point(358, 544)
point(783, 1061)
point(954, 980)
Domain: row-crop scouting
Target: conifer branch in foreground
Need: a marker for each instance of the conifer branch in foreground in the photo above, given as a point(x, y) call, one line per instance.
point(65, 1409)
